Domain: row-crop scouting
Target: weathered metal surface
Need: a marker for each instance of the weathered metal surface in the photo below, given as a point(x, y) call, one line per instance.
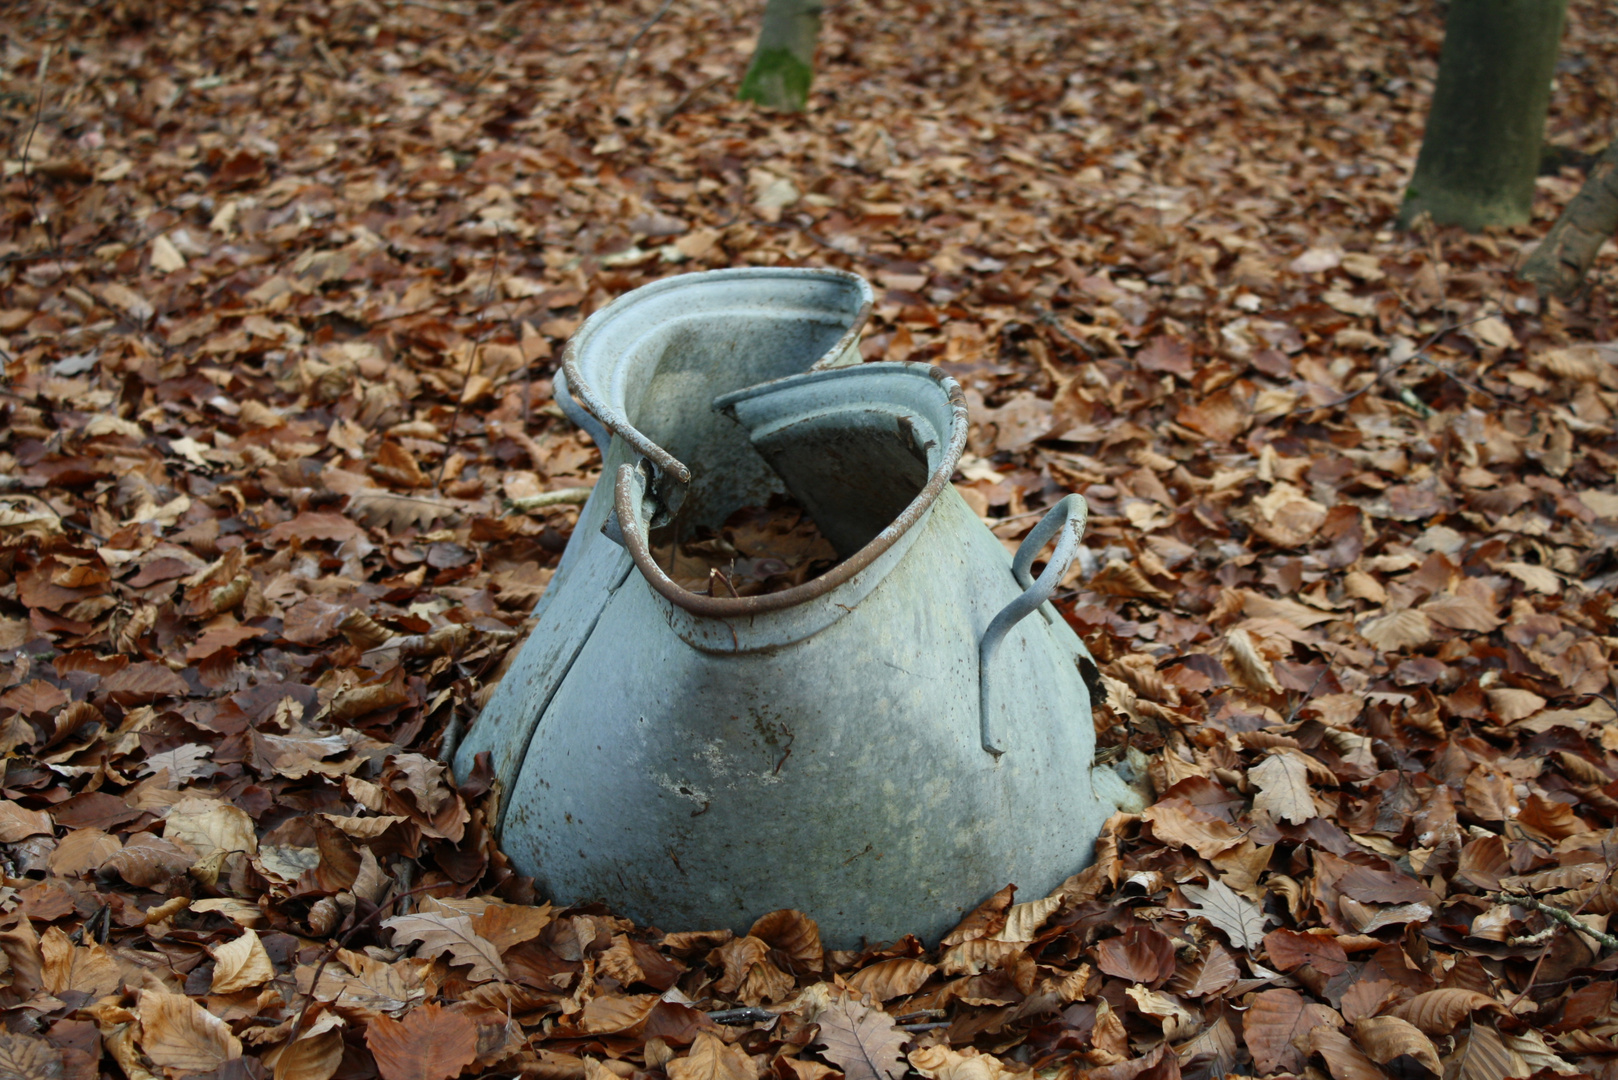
point(692, 338)
point(851, 747)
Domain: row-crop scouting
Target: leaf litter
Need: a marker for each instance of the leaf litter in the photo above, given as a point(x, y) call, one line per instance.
point(282, 290)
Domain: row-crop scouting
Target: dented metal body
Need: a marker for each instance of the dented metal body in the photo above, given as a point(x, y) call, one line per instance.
point(881, 747)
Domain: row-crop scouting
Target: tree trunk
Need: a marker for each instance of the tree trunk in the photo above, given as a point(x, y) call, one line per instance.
point(783, 62)
point(1481, 150)
point(1559, 264)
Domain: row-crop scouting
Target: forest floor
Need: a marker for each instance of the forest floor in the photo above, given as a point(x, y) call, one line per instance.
point(281, 286)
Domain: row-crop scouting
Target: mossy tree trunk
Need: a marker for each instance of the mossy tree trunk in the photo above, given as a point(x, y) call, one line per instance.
point(1559, 264)
point(1480, 154)
point(784, 60)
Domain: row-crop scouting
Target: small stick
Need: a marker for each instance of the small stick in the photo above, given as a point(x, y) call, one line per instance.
point(1561, 915)
point(624, 61)
point(1384, 373)
point(1050, 320)
point(573, 496)
point(749, 1015)
point(466, 376)
point(331, 951)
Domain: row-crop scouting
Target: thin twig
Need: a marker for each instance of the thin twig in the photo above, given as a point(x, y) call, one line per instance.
point(692, 95)
point(1383, 373)
point(1307, 694)
point(749, 1015)
point(466, 376)
point(332, 950)
point(1436, 366)
point(623, 61)
point(573, 496)
point(1049, 319)
point(1561, 915)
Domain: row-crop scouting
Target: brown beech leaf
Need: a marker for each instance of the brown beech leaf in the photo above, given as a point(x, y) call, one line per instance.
point(606, 1014)
point(1440, 1012)
point(1384, 1038)
point(1344, 1060)
point(23, 1057)
point(987, 920)
point(1284, 780)
point(1277, 1022)
point(241, 964)
point(19, 824)
point(711, 1059)
point(312, 1057)
point(794, 937)
point(1480, 1054)
point(1207, 975)
point(864, 1042)
point(891, 978)
point(1289, 950)
point(430, 1043)
point(180, 1034)
point(946, 1063)
point(90, 970)
point(1140, 954)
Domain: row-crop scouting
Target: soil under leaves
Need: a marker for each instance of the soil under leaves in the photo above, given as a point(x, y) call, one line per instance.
point(281, 286)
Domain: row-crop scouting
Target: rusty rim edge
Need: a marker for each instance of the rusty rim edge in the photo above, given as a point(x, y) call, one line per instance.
point(619, 425)
point(726, 607)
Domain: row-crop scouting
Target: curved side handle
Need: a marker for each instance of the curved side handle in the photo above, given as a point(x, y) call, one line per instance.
point(577, 415)
point(1069, 517)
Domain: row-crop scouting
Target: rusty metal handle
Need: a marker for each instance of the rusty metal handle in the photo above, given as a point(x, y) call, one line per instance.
point(577, 415)
point(1067, 518)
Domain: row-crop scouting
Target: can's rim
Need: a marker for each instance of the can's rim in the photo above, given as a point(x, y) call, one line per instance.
point(630, 492)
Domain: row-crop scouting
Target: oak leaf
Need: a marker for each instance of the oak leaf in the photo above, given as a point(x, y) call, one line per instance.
point(430, 1043)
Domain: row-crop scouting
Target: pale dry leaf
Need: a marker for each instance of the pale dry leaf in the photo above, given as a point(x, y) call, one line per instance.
point(241, 964)
point(947, 1063)
point(210, 825)
point(1284, 782)
point(23, 1057)
point(1024, 920)
point(453, 935)
point(1248, 665)
point(1384, 1038)
point(1241, 920)
point(312, 1057)
point(1480, 1054)
point(177, 1033)
point(1397, 631)
point(864, 1042)
point(711, 1059)
point(889, 979)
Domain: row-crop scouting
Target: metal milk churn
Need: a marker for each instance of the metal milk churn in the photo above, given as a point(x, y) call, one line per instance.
point(881, 746)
